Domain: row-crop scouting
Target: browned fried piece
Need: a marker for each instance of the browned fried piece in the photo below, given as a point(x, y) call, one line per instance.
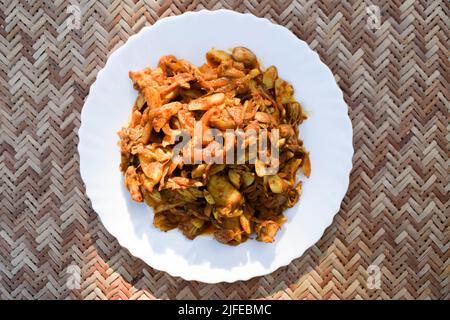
point(230, 91)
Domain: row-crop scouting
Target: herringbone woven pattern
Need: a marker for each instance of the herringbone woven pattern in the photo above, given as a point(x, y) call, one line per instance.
point(396, 214)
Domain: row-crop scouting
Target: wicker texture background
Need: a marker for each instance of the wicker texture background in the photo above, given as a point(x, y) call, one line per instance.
point(396, 214)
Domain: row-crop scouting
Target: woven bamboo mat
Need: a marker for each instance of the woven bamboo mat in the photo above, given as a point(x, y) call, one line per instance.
point(391, 236)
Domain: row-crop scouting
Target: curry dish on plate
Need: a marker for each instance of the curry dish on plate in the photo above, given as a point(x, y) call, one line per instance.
point(234, 201)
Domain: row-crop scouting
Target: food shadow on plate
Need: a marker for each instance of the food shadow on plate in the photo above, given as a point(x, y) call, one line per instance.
point(225, 256)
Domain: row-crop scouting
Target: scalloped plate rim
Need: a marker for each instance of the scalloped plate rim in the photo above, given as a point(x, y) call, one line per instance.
point(182, 273)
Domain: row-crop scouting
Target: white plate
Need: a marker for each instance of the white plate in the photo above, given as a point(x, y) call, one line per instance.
point(327, 134)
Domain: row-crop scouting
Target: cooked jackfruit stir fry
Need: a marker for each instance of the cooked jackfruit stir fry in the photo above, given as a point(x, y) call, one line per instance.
point(233, 201)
